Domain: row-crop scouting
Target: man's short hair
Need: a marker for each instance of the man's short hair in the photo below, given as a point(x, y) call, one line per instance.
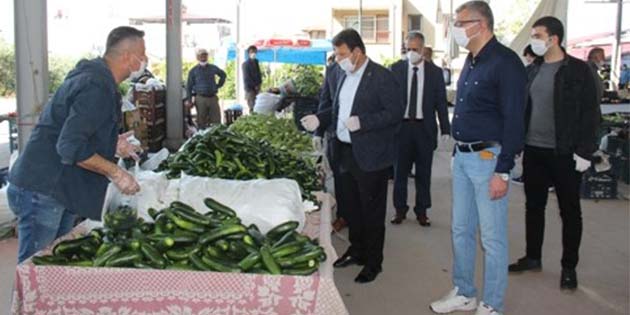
point(415, 35)
point(480, 7)
point(552, 25)
point(252, 49)
point(351, 38)
point(528, 51)
point(595, 51)
point(201, 51)
point(120, 34)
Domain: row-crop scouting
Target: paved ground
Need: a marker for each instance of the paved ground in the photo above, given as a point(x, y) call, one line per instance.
point(417, 265)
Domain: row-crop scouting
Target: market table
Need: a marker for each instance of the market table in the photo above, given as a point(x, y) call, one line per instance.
point(76, 290)
point(615, 108)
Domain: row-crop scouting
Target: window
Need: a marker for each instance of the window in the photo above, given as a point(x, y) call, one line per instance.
point(415, 23)
point(375, 29)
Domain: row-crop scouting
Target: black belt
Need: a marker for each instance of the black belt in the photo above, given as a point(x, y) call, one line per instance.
point(413, 120)
point(476, 146)
point(207, 95)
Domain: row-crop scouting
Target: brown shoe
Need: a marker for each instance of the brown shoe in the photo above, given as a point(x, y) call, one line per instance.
point(424, 220)
point(339, 224)
point(398, 218)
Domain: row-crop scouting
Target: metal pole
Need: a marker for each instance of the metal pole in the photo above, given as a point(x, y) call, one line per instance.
point(360, 17)
point(615, 58)
point(31, 59)
point(393, 33)
point(239, 55)
point(174, 108)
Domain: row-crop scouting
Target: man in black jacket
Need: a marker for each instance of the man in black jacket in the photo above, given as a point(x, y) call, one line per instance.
point(364, 116)
point(252, 77)
point(562, 119)
point(421, 85)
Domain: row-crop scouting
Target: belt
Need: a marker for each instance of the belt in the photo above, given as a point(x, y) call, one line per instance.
point(207, 95)
point(413, 120)
point(476, 146)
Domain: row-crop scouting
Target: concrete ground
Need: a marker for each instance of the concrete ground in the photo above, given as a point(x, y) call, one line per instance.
point(417, 266)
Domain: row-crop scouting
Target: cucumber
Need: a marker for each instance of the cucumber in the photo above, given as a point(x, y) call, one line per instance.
point(300, 272)
point(268, 261)
point(221, 232)
point(183, 224)
point(107, 255)
point(154, 213)
point(162, 240)
point(153, 255)
point(180, 266)
point(301, 257)
point(182, 253)
point(248, 262)
point(124, 259)
point(103, 248)
point(249, 240)
point(191, 216)
point(286, 238)
point(214, 252)
point(142, 265)
point(49, 260)
point(69, 248)
point(199, 264)
point(282, 229)
point(286, 249)
point(218, 266)
point(219, 207)
point(80, 263)
point(181, 205)
point(254, 232)
point(223, 245)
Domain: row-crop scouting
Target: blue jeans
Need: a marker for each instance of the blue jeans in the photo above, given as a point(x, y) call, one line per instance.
point(473, 207)
point(41, 220)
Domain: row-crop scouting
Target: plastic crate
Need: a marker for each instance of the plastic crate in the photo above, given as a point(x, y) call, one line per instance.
point(599, 185)
point(621, 168)
point(231, 115)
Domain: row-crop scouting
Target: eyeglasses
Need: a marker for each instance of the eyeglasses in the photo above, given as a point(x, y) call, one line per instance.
point(464, 22)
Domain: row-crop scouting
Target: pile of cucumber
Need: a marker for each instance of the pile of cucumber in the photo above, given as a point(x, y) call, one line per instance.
point(222, 153)
point(183, 239)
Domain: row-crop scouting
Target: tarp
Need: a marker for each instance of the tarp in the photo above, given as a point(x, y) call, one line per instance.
point(556, 8)
point(313, 55)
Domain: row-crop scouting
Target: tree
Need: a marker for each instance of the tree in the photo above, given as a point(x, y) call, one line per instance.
point(510, 23)
point(7, 69)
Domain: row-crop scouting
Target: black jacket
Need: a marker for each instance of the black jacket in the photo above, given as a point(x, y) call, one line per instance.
point(433, 96)
point(379, 107)
point(576, 108)
point(251, 75)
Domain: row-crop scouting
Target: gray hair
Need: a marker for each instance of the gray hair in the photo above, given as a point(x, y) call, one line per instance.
point(415, 35)
point(480, 7)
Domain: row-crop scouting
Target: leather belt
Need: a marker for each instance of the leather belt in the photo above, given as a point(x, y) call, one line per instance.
point(413, 120)
point(476, 146)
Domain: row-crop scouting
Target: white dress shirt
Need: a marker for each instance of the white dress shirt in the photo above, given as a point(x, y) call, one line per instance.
point(420, 89)
point(346, 100)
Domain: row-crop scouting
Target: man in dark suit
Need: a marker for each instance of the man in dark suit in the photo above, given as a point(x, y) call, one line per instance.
point(364, 117)
point(421, 85)
point(252, 78)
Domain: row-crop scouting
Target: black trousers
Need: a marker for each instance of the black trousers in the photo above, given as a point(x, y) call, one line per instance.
point(414, 147)
point(541, 169)
point(364, 197)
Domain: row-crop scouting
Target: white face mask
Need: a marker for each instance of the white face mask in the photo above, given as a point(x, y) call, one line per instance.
point(203, 63)
point(600, 64)
point(138, 73)
point(539, 46)
point(459, 34)
point(252, 56)
point(414, 57)
point(346, 65)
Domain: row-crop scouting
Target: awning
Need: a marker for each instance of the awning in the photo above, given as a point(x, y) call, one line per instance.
point(315, 54)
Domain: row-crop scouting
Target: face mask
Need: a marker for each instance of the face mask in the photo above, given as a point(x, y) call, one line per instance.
point(136, 74)
point(459, 34)
point(600, 64)
point(539, 46)
point(414, 57)
point(203, 63)
point(252, 56)
point(346, 65)
point(403, 57)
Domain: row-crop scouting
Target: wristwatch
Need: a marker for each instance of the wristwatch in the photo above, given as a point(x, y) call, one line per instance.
point(504, 176)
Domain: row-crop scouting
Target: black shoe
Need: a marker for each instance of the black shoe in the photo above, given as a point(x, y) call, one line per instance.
point(367, 274)
point(424, 220)
point(398, 218)
point(347, 260)
point(518, 180)
point(568, 280)
point(525, 264)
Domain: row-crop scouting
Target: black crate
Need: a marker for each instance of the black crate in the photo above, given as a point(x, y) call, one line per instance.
point(621, 168)
point(599, 185)
point(618, 146)
point(231, 115)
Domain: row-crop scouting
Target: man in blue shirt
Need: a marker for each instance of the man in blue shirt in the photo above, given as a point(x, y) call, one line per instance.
point(64, 170)
point(202, 88)
point(488, 127)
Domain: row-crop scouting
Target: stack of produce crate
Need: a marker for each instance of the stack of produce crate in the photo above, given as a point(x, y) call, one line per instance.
point(150, 116)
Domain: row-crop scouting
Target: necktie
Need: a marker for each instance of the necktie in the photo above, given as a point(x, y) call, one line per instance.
point(413, 98)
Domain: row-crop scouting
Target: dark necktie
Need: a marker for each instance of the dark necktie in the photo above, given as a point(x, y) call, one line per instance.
point(413, 98)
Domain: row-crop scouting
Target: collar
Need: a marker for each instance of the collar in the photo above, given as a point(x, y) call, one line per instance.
point(420, 65)
point(360, 71)
point(486, 49)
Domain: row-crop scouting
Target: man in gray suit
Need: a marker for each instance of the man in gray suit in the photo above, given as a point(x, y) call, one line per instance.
point(421, 85)
point(364, 117)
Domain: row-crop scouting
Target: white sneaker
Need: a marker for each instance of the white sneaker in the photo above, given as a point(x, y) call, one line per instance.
point(453, 302)
point(485, 309)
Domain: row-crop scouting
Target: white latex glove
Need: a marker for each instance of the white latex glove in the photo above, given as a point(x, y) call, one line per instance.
point(317, 144)
point(445, 138)
point(125, 182)
point(125, 147)
point(581, 164)
point(310, 122)
point(353, 124)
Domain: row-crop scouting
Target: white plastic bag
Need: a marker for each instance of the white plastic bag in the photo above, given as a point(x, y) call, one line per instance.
point(266, 103)
point(266, 203)
point(154, 160)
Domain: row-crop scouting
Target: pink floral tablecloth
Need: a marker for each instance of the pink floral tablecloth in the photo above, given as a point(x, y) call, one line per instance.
point(119, 291)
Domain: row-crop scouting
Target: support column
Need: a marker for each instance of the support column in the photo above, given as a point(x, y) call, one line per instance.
point(174, 107)
point(31, 58)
